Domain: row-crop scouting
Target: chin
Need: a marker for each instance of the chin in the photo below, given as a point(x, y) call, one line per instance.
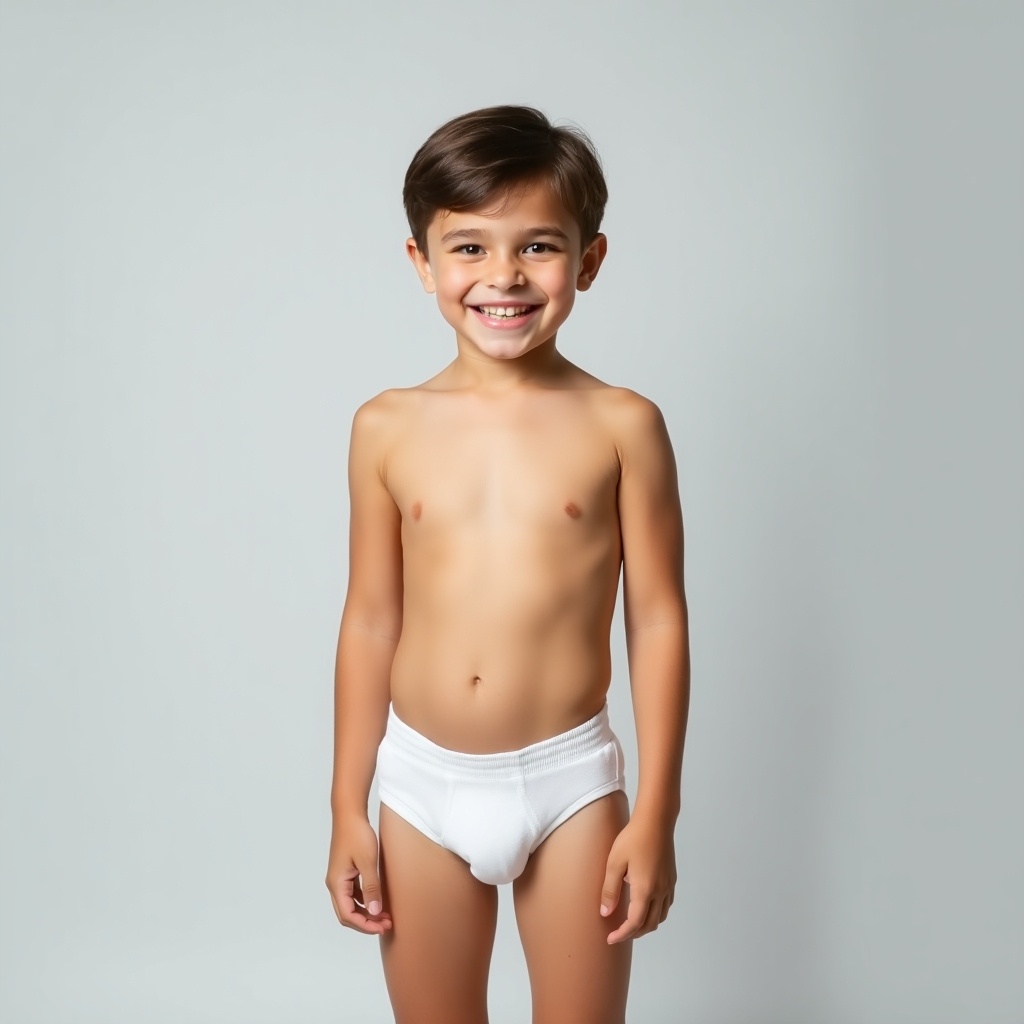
point(506, 353)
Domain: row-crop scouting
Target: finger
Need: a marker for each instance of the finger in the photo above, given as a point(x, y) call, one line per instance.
point(357, 919)
point(341, 897)
point(334, 903)
point(612, 887)
point(651, 919)
point(664, 911)
point(369, 883)
point(635, 917)
point(352, 915)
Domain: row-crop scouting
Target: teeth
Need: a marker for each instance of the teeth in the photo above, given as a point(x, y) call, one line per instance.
point(504, 312)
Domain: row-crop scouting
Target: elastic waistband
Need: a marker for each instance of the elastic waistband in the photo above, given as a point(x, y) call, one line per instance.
point(556, 752)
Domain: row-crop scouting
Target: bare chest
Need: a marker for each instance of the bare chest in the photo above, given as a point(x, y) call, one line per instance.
point(558, 473)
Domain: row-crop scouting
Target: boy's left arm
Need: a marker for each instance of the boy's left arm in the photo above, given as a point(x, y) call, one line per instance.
point(657, 643)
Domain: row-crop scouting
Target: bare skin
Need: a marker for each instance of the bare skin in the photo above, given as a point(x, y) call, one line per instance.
point(493, 508)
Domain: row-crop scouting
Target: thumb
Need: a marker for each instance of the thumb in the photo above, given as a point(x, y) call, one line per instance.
point(612, 885)
point(369, 882)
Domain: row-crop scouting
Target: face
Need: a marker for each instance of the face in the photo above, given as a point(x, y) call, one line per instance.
point(506, 276)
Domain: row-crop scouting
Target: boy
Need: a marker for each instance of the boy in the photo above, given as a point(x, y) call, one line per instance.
point(491, 509)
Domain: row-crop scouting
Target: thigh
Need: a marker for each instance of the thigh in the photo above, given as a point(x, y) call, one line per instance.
point(438, 951)
point(574, 974)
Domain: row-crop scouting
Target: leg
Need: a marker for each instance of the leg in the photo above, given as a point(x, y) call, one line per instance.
point(574, 974)
point(437, 955)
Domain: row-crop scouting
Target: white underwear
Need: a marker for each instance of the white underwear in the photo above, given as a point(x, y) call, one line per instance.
point(494, 810)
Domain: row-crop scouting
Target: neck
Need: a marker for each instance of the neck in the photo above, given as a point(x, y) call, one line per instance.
point(475, 370)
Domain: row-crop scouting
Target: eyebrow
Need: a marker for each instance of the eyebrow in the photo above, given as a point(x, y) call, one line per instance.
point(470, 233)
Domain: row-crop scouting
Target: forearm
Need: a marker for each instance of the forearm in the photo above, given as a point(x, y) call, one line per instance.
point(362, 693)
point(659, 671)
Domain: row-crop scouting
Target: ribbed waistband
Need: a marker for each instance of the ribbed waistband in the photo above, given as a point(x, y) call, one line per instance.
point(556, 752)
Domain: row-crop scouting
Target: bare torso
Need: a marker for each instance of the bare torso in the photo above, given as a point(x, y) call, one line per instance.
point(511, 555)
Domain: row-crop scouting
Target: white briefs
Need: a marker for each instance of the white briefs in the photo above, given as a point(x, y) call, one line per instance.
point(494, 810)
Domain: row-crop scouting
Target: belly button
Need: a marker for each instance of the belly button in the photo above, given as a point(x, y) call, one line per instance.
point(476, 680)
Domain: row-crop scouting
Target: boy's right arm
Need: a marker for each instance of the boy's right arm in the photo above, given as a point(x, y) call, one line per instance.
point(370, 627)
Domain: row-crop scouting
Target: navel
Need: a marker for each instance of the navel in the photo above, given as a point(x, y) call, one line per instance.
point(573, 510)
point(416, 510)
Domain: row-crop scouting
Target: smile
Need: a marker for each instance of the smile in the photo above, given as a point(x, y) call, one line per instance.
point(505, 312)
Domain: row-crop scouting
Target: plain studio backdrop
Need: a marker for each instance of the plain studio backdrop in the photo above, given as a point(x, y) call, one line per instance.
point(816, 256)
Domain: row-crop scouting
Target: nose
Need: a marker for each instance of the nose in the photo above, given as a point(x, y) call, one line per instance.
point(505, 272)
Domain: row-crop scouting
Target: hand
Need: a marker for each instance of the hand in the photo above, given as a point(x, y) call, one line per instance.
point(643, 855)
point(352, 877)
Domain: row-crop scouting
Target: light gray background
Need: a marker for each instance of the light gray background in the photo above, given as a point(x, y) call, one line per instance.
point(815, 268)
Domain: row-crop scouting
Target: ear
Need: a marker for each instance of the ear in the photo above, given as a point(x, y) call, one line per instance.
point(590, 262)
point(419, 261)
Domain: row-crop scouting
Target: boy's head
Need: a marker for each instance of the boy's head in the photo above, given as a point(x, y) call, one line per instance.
point(487, 155)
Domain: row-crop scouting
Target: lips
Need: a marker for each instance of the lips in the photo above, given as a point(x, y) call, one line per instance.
point(504, 317)
point(505, 312)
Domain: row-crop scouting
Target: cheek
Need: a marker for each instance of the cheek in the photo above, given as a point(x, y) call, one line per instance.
point(454, 283)
point(560, 281)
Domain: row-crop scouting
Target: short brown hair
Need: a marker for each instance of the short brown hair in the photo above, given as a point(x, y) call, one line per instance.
point(488, 153)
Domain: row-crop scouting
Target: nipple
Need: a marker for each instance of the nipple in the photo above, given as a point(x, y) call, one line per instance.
point(573, 510)
point(417, 510)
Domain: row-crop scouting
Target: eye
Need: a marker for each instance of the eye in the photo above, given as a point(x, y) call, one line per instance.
point(538, 248)
point(466, 250)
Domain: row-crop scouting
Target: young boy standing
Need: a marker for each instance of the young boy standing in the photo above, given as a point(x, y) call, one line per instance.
point(492, 508)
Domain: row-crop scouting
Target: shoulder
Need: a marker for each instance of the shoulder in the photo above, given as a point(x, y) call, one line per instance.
point(637, 429)
point(631, 419)
point(384, 414)
point(626, 407)
point(376, 426)
point(384, 406)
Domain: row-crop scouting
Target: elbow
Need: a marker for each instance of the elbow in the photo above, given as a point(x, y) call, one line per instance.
point(381, 626)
